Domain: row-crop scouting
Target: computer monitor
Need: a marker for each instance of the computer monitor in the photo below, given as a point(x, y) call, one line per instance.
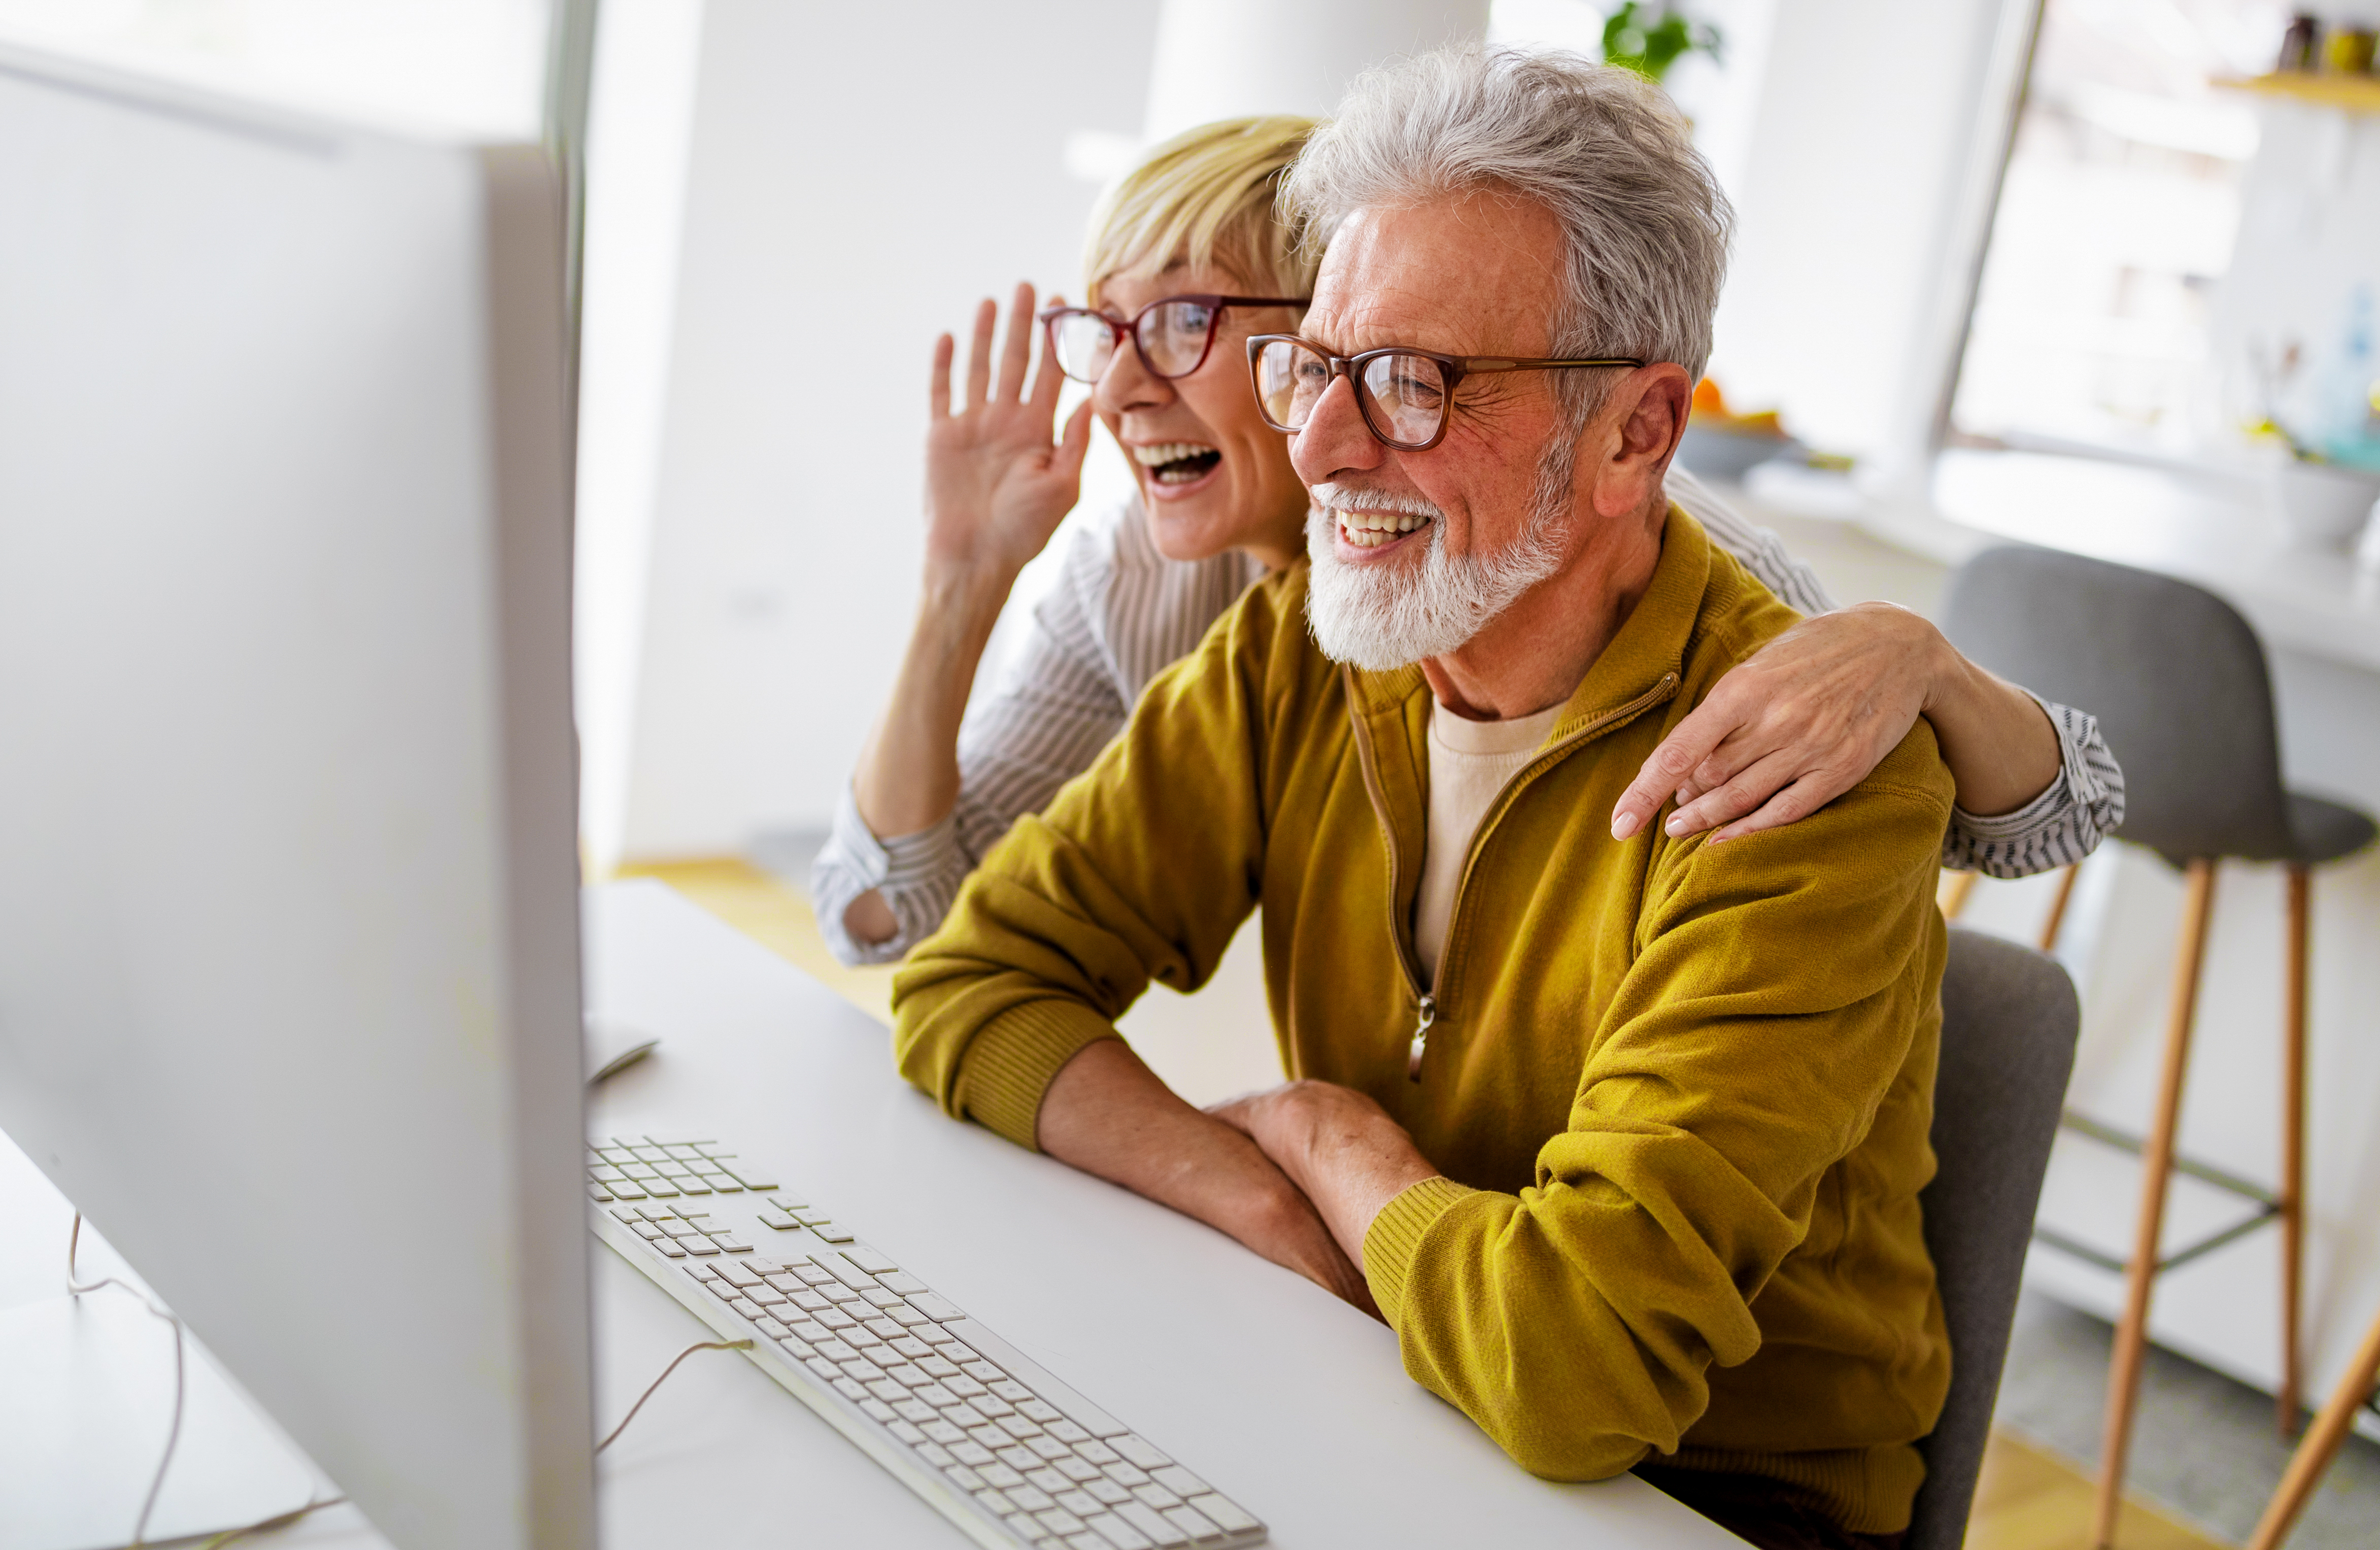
point(288, 889)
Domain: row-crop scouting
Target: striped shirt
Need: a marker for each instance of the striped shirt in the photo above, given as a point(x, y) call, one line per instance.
point(1121, 613)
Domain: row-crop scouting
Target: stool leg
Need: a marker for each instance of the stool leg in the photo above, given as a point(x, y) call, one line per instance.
point(2292, 1190)
point(2321, 1446)
point(2057, 907)
point(2156, 1172)
point(1961, 884)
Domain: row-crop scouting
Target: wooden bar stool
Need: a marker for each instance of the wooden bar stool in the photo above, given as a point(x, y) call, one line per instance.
point(2179, 682)
point(2321, 1446)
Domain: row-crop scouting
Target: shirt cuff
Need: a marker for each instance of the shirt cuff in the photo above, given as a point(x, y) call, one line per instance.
point(1009, 1066)
point(1395, 1235)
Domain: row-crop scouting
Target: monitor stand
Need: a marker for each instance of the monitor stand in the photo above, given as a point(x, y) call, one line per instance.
point(83, 1415)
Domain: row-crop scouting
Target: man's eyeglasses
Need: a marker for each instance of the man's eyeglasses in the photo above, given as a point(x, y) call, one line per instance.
point(1173, 336)
point(1400, 393)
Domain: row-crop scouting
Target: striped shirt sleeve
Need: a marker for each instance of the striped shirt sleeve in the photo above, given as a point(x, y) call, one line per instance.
point(2057, 828)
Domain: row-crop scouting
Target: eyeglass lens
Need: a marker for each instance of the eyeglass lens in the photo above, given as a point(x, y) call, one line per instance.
point(1403, 396)
point(1173, 337)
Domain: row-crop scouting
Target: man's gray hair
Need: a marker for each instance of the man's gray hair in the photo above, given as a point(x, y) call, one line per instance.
point(1602, 149)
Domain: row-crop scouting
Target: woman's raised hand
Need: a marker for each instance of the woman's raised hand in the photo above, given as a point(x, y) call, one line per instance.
point(997, 485)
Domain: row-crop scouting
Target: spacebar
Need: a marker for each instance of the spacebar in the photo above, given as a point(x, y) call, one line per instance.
point(1033, 1375)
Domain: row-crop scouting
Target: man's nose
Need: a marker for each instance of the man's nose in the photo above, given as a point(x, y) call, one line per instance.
point(1334, 440)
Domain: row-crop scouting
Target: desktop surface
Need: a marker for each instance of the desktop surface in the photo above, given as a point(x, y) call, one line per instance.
point(1257, 1380)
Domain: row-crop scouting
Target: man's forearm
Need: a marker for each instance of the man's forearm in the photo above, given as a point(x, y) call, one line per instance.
point(1108, 1113)
point(2001, 747)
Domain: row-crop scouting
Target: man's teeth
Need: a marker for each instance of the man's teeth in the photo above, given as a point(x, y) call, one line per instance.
point(1176, 462)
point(1369, 529)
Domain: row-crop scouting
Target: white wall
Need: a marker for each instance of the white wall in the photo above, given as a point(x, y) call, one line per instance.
point(860, 175)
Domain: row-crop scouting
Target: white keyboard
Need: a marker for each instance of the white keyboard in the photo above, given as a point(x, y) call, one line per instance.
point(997, 1444)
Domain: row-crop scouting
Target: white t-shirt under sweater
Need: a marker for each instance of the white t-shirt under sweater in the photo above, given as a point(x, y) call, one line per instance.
point(1469, 763)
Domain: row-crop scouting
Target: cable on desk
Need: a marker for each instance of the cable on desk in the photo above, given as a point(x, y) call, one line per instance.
point(698, 1346)
point(173, 1433)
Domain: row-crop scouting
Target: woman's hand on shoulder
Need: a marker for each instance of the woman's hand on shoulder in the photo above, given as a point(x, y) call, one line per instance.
point(997, 483)
point(1792, 727)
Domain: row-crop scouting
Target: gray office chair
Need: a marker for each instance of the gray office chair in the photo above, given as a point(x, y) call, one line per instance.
point(2008, 1023)
point(2179, 683)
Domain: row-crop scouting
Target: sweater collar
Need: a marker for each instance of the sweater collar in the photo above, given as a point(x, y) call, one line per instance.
point(1649, 645)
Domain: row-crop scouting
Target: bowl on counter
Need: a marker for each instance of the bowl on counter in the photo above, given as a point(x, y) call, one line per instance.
point(2319, 505)
point(1709, 452)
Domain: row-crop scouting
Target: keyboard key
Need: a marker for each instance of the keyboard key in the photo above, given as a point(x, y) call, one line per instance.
point(902, 1281)
point(1151, 1523)
point(1039, 1409)
point(865, 1339)
point(996, 1500)
point(1020, 1428)
point(1063, 1430)
point(1057, 1521)
point(943, 1432)
point(1075, 1469)
point(1097, 1452)
point(1044, 1447)
point(883, 1329)
point(647, 1231)
point(835, 1318)
point(741, 1274)
point(831, 1232)
point(821, 1366)
point(991, 1436)
point(981, 1457)
point(967, 1479)
point(1019, 1457)
point(743, 1308)
point(936, 1454)
point(919, 1352)
point(697, 1245)
point(733, 1244)
point(768, 1296)
point(985, 1406)
point(811, 1275)
point(850, 1389)
point(1179, 1480)
point(771, 1328)
point(1080, 1505)
point(916, 1409)
point(960, 1413)
point(722, 1183)
point(660, 1189)
point(877, 1409)
point(873, 1261)
point(886, 1390)
point(835, 1350)
point(1000, 1475)
point(1127, 1475)
point(1030, 1497)
point(1193, 1522)
point(599, 1195)
point(860, 1367)
point(940, 1309)
point(1007, 1388)
point(877, 1297)
point(805, 1330)
point(1140, 1450)
point(1229, 1514)
point(749, 1177)
point(690, 1185)
point(1157, 1495)
point(669, 1247)
point(907, 1316)
point(1026, 1529)
point(626, 1190)
point(1107, 1492)
point(1118, 1533)
point(777, 1220)
point(906, 1430)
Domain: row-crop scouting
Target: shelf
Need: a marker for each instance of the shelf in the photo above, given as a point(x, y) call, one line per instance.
point(2354, 93)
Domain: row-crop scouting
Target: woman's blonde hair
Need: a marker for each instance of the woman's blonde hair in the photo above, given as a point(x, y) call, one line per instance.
point(1208, 196)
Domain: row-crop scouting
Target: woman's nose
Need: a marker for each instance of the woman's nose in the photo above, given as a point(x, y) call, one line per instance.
point(1128, 384)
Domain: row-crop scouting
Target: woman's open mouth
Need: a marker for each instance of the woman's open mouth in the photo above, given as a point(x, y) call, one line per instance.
point(1177, 462)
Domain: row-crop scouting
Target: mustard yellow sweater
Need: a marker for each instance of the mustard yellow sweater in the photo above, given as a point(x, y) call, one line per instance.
point(1680, 1093)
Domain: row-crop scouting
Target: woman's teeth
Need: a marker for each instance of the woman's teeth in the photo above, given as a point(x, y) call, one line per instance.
point(1369, 529)
point(1176, 462)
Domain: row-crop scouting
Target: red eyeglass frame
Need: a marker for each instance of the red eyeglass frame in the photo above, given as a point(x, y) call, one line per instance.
point(1118, 332)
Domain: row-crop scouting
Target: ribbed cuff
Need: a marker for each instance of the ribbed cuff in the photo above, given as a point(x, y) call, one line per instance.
point(1012, 1061)
point(1395, 1235)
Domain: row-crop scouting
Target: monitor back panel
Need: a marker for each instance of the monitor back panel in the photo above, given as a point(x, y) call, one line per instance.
point(288, 954)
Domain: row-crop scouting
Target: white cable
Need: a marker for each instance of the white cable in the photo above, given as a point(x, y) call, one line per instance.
point(174, 1434)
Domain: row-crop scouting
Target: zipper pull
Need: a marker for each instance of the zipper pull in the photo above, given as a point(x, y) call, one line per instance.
point(1427, 1014)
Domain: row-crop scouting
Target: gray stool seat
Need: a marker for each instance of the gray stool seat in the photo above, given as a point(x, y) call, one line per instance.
point(2324, 830)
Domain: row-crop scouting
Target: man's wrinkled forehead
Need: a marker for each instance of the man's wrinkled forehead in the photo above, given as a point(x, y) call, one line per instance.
point(1475, 273)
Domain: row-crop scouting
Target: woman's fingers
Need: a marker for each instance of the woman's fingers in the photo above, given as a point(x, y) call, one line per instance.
point(1791, 803)
point(1739, 794)
point(1666, 768)
point(978, 385)
point(938, 387)
point(1018, 353)
point(1048, 380)
point(1076, 443)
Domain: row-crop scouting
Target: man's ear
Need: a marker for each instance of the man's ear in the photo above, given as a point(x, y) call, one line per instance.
point(1647, 414)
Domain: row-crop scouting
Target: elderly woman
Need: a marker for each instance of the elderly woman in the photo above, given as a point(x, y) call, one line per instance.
point(1186, 260)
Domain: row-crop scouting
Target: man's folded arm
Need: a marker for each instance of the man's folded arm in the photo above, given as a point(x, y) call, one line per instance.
point(1768, 1013)
point(1142, 868)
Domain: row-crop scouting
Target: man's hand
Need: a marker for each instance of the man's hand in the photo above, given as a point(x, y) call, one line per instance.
point(1108, 1114)
point(1339, 1147)
point(1810, 713)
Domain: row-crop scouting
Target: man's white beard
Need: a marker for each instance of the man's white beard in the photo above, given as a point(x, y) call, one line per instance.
point(1381, 618)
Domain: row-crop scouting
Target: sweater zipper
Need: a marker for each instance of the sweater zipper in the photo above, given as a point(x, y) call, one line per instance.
point(1426, 1003)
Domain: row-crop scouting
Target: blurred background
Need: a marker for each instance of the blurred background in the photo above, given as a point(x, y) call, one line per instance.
point(2085, 272)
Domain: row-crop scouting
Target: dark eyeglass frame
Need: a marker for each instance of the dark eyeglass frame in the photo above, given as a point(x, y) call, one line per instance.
point(1048, 317)
point(1453, 367)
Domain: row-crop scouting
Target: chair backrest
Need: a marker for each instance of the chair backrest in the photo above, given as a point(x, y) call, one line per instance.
point(2009, 1024)
point(2176, 677)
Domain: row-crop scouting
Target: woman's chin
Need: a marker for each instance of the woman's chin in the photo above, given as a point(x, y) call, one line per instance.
point(1188, 530)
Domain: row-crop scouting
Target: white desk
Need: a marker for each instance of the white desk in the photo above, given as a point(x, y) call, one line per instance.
point(1293, 1402)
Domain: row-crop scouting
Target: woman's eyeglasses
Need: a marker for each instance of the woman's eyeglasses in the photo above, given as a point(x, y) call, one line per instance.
point(1173, 336)
point(1400, 393)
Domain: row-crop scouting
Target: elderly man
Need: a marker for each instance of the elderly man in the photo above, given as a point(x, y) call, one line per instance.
point(1621, 1136)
